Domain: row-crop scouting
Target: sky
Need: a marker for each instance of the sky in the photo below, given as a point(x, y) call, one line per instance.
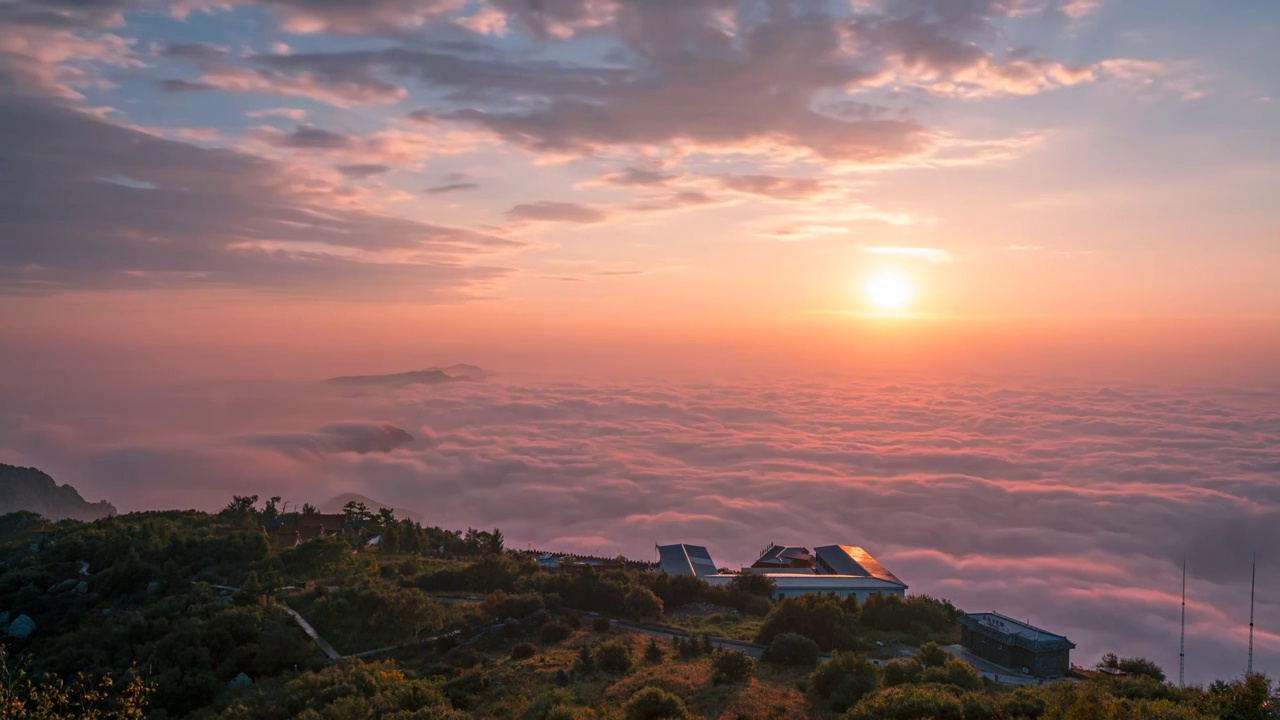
point(987, 287)
point(1090, 181)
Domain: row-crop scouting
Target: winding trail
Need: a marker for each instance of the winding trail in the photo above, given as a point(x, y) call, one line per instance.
point(311, 632)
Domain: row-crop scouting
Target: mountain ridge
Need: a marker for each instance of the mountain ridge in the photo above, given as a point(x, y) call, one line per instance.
point(28, 488)
point(431, 376)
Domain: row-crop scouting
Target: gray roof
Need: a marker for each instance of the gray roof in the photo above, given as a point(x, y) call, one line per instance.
point(1015, 632)
point(685, 560)
point(783, 555)
point(850, 560)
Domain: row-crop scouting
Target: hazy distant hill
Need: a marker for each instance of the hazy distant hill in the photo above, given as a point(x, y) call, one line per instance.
point(335, 505)
point(23, 488)
point(431, 376)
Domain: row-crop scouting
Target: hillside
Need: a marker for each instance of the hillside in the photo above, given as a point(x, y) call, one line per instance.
point(208, 617)
point(24, 488)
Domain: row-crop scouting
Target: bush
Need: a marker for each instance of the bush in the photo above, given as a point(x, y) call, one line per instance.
point(953, 672)
point(586, 661)
point(466, 688)
point(601, 624)
point(900, 671)
point(653, 703)
point(909, 701)
point(555, 631)
point(523, 651)
point(694, 645)
point(1133, 666)
point(500, 606)
point(615, 657)
point(930, 655)
point(792, 649)
point(568, 712)
point(757, 606)
point(653, 652)
point(465, 657)
point(814, 616)
point(845, 679)
point(751, 583)
point(732, 666)
point(542, 706)
point(918, 614)
point(642, 604)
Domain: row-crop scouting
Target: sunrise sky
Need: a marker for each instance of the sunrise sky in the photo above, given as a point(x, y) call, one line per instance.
point(989, 287)
point(1080, 180)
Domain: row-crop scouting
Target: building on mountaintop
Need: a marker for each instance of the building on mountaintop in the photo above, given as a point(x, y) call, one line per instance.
point(1016, 645)
point(841, 570)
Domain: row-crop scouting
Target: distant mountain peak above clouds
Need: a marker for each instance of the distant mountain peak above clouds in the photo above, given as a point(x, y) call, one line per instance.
point(335, 505)
point(431, 376)
point(25, 488)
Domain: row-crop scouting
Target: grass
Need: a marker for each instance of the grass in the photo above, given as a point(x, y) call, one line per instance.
point(734, 627)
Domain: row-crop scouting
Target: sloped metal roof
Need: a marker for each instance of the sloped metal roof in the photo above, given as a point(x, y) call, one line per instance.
point(685, 560)
point(853, 561)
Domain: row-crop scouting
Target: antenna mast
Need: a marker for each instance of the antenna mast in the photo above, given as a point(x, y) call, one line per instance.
point(1253, 584)
point(1182, 640)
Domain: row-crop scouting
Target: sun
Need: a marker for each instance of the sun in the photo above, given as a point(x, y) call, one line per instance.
point(889, 292)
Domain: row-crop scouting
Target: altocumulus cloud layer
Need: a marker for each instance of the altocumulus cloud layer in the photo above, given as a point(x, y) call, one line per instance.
point(1072, 506)
point(183, 169)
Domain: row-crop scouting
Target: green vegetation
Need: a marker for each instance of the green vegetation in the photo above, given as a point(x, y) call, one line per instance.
point(173, 618)
point(792, 649)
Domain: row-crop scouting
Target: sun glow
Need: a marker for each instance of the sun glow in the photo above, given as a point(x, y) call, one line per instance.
point(889, 292)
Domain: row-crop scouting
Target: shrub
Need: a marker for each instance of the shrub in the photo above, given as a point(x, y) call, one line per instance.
point(586, 661)
point(568, 712)
point(732, 666)
point(909, 701)
point(523, 651)
point(752, 583)
point(465, 657)
point(757, 606)
point(845, 679)
point(653, 652)
point(512, 628)
point(900, 671)
point(953, 672)
point(573, 620)
point(916, 614)
point(500, 606)
point(930, 655)
point(814, 616)
point(695, 645)
point(542, 706)
point(463, 690)
point(653, 703)
point(792, 649)
point(601, 624)
point(642, 604)
point(1133, 666)
point(615, 657)
point(555, 631)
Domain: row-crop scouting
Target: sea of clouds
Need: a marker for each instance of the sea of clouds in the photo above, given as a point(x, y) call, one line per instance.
point(1072, 506)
